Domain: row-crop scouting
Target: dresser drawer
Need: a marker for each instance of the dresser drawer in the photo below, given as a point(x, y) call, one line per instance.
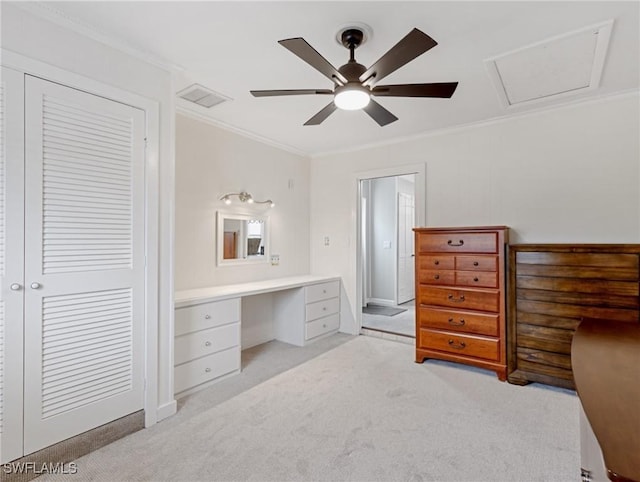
point(483, 279)
point(483, 300)
point(205, 342)
point(322, 291)
point(322, 326)
point(477, 263)
point(460, 321)
point(455, 343)
point(207, 368)
point(437, 277)
point(436, 262)
point(458, 243)
point(322, 308)
point(206, 315)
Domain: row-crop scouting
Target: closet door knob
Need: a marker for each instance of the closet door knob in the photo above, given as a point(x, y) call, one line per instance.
point(16, 287)
point(35, 285)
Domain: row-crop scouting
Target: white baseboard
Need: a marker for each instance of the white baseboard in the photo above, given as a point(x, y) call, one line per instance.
point(381, 301)
point(166, 410)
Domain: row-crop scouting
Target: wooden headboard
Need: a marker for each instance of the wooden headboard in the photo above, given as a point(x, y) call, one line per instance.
point(551, 288)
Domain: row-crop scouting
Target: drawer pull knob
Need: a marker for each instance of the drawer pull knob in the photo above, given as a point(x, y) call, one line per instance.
point(324, 325)
point(436, 262)
point(456, 323)
point(207, 317)
point(459, 243)
point(460, 299)
point(324, 292)
point(475, 263)
point(324, 308)
point(475, 279)
point(459, 346)
point(207, 370)
point(207, 343)
point(436, 276)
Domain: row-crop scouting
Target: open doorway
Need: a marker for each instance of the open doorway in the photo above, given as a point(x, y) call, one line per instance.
point(387, 218)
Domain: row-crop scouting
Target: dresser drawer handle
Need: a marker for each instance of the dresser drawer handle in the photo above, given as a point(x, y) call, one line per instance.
point(207, 343)
point(207, 317)
point(451, 243)
point(456, 323)
point(207, 370)
point(460, 299)
point(475, 263)
point(436, 276)
point(475, 279)
point(459, 346)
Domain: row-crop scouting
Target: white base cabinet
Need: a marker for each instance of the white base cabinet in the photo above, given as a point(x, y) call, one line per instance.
point(208, 324)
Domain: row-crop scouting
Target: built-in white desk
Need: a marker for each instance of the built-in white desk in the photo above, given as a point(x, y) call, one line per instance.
point(214, 324)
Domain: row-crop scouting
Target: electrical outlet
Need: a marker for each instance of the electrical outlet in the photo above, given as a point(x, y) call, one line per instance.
point(275, 259)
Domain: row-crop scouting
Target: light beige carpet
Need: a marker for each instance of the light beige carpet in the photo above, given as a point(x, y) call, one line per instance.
point(363, 411)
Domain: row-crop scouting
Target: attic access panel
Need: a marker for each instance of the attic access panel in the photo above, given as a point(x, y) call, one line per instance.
point(556, 67)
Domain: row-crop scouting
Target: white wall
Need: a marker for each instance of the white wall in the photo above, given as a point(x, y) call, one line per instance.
point(569, 175)
point(383, 230)
point(44, 41)
point(211, 162)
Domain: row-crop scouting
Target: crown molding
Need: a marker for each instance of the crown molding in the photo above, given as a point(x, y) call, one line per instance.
point(483, 123)
point(47, 12)
point(237, 130)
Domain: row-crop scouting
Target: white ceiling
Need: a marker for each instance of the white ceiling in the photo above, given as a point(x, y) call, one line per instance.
point(231, 48)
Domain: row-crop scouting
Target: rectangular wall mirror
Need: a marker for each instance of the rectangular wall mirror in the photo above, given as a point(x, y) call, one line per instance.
point(242, 238)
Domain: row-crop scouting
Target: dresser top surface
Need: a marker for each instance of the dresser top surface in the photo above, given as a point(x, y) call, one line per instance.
point(217, 293)
point(460, 228)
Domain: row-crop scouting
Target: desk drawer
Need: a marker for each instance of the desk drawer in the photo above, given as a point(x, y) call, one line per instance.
point(322, 291)
point(455, 343)
point(458, 243)
point(322, 308)
point(205, 342)
point(206, 315)
point(207, 368)
point(322, 326)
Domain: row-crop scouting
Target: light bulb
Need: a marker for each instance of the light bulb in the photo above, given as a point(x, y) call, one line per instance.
point(250, 200)
point(351, 99)
point(272, 204)
point(227, 200)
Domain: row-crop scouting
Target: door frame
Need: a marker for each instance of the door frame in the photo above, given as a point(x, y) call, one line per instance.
point(419, 169)
point(151, 108)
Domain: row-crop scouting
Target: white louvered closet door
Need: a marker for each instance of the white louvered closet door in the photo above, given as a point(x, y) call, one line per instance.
point(84, 262)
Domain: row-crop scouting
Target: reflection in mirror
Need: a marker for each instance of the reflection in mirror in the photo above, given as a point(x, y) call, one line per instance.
point(241, 238)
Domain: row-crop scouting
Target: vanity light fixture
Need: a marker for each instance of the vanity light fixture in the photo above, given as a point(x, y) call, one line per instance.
point(245, 197)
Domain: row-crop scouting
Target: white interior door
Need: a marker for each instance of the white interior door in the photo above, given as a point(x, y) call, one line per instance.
point(84, 262)
point(11, 262)
point(406, 272)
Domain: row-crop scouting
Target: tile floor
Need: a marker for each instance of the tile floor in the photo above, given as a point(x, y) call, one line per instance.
point(401, 324)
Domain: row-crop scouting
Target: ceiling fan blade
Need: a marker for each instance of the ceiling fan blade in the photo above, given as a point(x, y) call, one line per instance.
point(443, 89)
point(322, 115)
point(415, 43)
point(379, 114)
point(306, 52)
point(270, 93)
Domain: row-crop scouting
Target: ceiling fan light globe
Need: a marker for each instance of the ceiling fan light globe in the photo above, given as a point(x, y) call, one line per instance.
point(351, 99)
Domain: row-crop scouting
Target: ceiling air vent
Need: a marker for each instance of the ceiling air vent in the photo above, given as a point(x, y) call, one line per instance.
point(202, 96)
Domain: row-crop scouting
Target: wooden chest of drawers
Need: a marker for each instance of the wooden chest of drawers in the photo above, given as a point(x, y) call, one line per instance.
point(460, 296)
point(552, 287)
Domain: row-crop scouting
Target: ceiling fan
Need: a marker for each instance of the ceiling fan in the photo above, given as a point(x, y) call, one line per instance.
point(355, 84)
